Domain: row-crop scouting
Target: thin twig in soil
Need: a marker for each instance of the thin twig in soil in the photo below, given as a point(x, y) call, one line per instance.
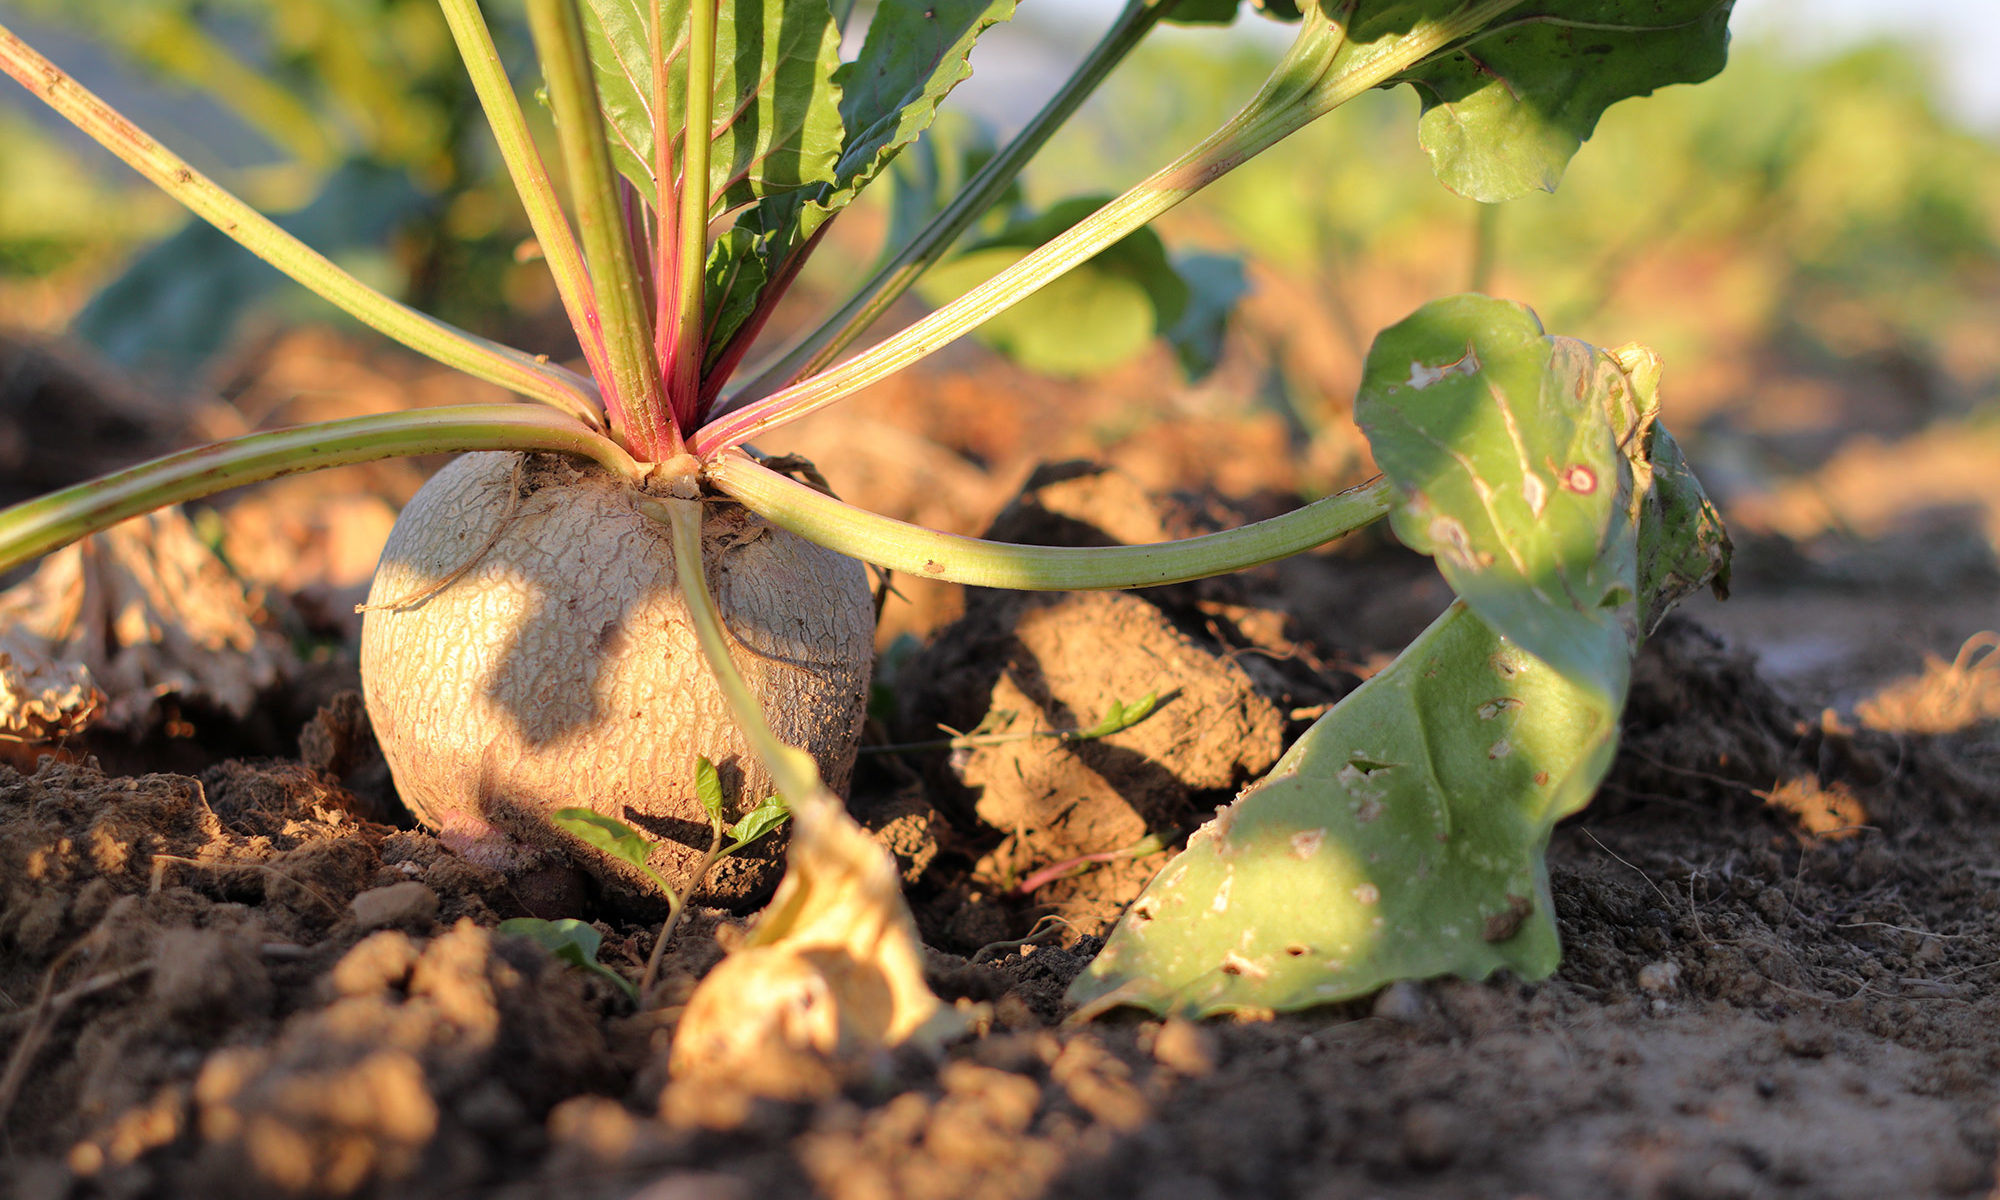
point(1690, 772)
point(1048, 923)
point(159, 876)
point(1664, 898)
point(1900, 929)
point(79, 991)
point(1956, 972)
point(1694, 912)
point(961, 741)
point(1152, 843)
point(48, 1009)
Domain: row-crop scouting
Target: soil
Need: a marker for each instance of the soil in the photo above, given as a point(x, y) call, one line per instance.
point(230, 967)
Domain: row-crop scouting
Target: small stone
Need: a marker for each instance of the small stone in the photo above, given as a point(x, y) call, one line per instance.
point(699, 1185)
point(1772, 906)
point(406, 903)
point(1431, 1135)
point(1402, 1002)
point(1660, 977)
point(1805, 1037)
point(1185, 1047)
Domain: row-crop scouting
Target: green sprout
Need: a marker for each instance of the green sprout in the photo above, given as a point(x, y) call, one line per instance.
point(576, 942)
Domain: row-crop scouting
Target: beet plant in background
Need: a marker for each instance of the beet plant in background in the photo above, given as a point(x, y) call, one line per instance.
point(615, 583)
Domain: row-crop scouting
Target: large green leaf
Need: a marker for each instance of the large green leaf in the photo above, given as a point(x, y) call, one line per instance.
point(913, 56)
point(1090, 319)
point(1223, 12)
point(798, 133)
point(931, 172)
point(1504, 112)
point(1403, 835)
point(1501, 441)
point(775, 118)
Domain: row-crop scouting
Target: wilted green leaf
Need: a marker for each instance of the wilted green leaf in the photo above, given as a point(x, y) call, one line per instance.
point(571, 941)
point(1682, 542)
point(1499, 438)
point(1399, 838)
point(1403, 835)
point(1089, 320)
point(1504, 112)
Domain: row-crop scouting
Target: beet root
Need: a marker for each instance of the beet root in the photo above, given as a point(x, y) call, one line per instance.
point(528, 649)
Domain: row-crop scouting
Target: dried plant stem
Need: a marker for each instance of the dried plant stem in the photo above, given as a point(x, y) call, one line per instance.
point(159, 876)
point(48, 1009)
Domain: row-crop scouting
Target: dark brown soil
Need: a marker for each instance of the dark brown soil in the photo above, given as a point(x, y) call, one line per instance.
point(249, 978)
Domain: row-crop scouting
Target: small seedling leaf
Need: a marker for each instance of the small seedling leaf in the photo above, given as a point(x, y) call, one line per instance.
point(1119, 716)
point(1403, 835)
point(708, 786)
point(572, 941)
point(757, 822)
point(608, 834)
point(1504, 111)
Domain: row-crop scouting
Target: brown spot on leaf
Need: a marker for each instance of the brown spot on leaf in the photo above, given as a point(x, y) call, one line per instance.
point(1506, 923)
point(1579, 479)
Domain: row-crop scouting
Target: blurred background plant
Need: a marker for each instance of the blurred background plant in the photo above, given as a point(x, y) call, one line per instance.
point(352, 119)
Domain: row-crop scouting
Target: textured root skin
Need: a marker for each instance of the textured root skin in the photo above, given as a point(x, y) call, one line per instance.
point(561, 668)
